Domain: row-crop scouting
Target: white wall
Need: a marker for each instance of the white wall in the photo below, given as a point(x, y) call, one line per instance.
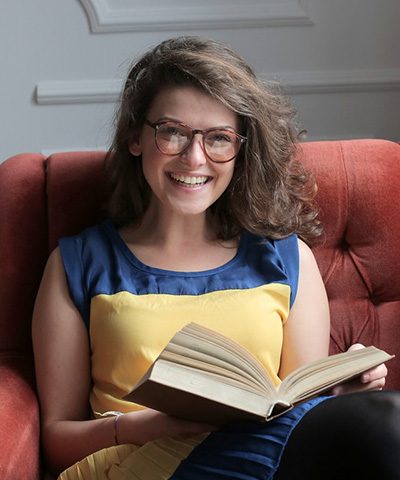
point(62, 62)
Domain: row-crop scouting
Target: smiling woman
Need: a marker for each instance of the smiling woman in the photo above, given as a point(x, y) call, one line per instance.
point(262, 193)
point(206, 208)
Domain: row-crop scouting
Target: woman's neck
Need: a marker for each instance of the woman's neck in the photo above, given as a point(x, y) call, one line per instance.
point(168, 230)
point(178, 243)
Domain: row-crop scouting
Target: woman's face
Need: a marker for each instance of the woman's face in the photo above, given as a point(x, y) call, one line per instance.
point(190, 182)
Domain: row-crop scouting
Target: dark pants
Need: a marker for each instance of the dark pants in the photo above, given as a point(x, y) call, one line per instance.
point(350, 437)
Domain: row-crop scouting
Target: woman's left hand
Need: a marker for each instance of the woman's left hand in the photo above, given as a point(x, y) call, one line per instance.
point(373, 379)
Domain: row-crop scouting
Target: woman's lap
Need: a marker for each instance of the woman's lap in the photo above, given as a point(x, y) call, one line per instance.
point(347, 437)
point(244, 450)
point(353, 436)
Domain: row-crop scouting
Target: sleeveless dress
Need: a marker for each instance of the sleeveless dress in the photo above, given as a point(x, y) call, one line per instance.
point(132, 310)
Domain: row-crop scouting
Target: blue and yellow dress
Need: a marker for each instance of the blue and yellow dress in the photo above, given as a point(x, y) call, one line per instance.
point(132, 310)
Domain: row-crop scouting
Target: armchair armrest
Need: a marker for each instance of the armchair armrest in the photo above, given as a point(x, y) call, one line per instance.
point(19, 420)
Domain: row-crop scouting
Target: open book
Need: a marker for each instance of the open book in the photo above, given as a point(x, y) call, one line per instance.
point(204, 376)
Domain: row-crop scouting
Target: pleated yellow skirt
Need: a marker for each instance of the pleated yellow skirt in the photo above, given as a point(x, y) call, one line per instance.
point(154, 461)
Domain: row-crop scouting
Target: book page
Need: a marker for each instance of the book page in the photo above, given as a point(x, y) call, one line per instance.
point(230, 346)
point(231, 380)
point(176, 389)
point(178, 355)
point(324, 374)
point(209, 342)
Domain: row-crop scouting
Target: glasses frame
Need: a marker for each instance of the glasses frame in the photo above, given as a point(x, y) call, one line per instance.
point(195, 131)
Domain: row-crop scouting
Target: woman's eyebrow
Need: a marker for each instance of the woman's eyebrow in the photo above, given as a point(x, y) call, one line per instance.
point(173, 119)
point(168, 118)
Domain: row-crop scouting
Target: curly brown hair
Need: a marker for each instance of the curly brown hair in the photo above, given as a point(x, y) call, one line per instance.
point(270, 194)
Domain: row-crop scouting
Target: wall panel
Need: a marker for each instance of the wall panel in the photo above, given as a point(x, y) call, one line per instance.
point(136, 15)
point(63, 62)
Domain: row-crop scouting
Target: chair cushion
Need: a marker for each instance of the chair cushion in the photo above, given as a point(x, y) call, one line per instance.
point(75, 193)
point(19, 426)
point(23, 246)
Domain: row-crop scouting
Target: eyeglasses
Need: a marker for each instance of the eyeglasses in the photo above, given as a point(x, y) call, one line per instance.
point(221, 145)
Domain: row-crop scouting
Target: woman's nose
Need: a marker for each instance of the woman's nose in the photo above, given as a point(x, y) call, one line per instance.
point(195, 154)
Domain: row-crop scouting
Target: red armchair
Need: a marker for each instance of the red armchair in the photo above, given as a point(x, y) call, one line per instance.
point(42, 199)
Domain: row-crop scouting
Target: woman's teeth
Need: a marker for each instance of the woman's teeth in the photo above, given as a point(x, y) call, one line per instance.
point(185, 180)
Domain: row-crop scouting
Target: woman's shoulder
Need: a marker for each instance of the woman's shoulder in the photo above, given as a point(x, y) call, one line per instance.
point(278, 259)
point(96, 231)
point(92, 240)
point(305, 252)
point(289, 245)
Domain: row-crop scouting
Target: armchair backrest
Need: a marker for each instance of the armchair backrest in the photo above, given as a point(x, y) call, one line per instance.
point(42, 199)
point(359, 196)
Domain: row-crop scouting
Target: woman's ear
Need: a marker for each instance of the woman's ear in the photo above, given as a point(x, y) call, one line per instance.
point(135, 145)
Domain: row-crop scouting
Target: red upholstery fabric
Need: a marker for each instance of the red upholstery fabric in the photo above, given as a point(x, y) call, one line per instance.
point(359, 194)
point(79, 202)
point(19, 426)
point(42, 199)
point(23, 251)
point(23, 246)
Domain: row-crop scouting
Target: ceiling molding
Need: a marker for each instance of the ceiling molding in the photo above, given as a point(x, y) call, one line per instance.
point(337, 81)
point(106, 16)
point(311, 82)
point(78, 91)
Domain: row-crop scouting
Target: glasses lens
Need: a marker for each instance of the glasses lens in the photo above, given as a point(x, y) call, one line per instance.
point(221, 145)
point(172, 138)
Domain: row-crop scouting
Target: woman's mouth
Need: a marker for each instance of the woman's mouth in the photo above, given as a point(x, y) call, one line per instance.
point(189, 181)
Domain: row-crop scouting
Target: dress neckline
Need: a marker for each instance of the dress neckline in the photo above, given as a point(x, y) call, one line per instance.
point(123, 248)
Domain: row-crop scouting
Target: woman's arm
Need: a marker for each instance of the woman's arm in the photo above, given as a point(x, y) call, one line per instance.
point(62, 363)
point(306, 332)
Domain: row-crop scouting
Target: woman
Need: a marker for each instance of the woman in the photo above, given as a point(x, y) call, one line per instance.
point(206, 207)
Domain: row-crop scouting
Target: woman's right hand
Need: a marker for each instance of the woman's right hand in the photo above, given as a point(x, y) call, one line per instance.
point(146, 425)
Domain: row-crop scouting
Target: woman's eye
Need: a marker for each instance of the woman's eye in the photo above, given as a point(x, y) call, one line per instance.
point(174, 131)
point(221, 138)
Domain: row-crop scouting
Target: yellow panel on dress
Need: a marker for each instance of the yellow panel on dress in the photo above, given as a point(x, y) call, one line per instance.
point(128, 332)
